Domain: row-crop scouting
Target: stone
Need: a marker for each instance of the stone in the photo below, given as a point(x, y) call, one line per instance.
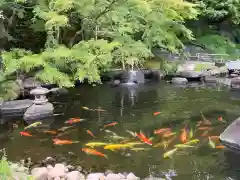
point(59, 170)
point(210, 79)
point(115, 83)
point(75, 175)
point(113, 177)
point(49, 160)
point(230, 136)
point(121, 176)
point(179, 80)
point(49, 167)
point(59, 91)
point(40, 173)
point(131, 176)
point(94, 176)
point(108, 172)
point(14, 166)
point(79, 168)
point(72, 168)
point(191, 74)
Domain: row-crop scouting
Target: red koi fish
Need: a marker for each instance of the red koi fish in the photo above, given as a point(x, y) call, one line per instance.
point(156, 113)
point(90, 133)
point(25, 134)
point(111, 124)
point(144, 139)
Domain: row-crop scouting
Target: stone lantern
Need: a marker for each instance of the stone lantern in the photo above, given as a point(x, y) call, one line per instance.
point(41, 108)
point(40, 95)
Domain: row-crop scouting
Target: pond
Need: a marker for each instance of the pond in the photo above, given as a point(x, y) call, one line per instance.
point(133, 109)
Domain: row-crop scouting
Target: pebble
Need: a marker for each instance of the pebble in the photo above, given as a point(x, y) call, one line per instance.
point(131, 176)
point(59, 170)
point(40, 173)
point(75, 175)
point(94, 176)
point(113, 177)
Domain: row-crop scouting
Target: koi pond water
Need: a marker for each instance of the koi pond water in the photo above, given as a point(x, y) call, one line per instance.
point(193, 116)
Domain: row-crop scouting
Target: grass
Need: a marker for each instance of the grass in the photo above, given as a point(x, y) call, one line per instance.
point(6, 171)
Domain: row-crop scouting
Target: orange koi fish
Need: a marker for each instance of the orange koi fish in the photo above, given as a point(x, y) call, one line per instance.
point(199, 123)
point(111, 124)
point(93, 152)
point(144, 139)
point(183, 136)
point(156, 113)
point(63, 142)
point(90, 133)
point(25, 134)
point(220, 147)
point(158, 131)
point(204, 128)
point(73, 120)
point(168, 134)
point(50, 132)
point(214, 137)
point(205, 133)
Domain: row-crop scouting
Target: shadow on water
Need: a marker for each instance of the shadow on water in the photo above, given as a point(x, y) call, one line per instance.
point(133, 107)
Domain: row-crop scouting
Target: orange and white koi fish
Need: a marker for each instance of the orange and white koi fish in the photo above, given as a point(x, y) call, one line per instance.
point(63, 142)
point(158, 131)
point(25, 134)
point(111, 124)
point(90, 133)
point(74, 120)
point(93, 152)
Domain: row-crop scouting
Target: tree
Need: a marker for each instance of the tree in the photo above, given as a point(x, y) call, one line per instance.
point(84, 38)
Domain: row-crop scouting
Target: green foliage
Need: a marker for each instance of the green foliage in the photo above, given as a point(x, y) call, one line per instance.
point(5, 170)
point(83, 38)
point(221, 10)
point(219, 44)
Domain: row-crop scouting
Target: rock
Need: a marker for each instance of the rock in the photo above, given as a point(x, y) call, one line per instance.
point(49, 167)
point(40, 173)
point(59, 170)
point(113, 177)
point(94, 176)
point(115, 83)
point(72, 168)
point(59, 90)
point(14, 166)
point(178, 80)
point(22, 169)
point(75, 175)
point(233, 75)
point(230, 136)
point(131, 176)
point(49, 160)
point(210, 79)
point(191, 74)
point(108, 172)
point(79, 168)
point(122, 176)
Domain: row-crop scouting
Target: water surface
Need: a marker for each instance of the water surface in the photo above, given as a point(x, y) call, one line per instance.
point(133, 107)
